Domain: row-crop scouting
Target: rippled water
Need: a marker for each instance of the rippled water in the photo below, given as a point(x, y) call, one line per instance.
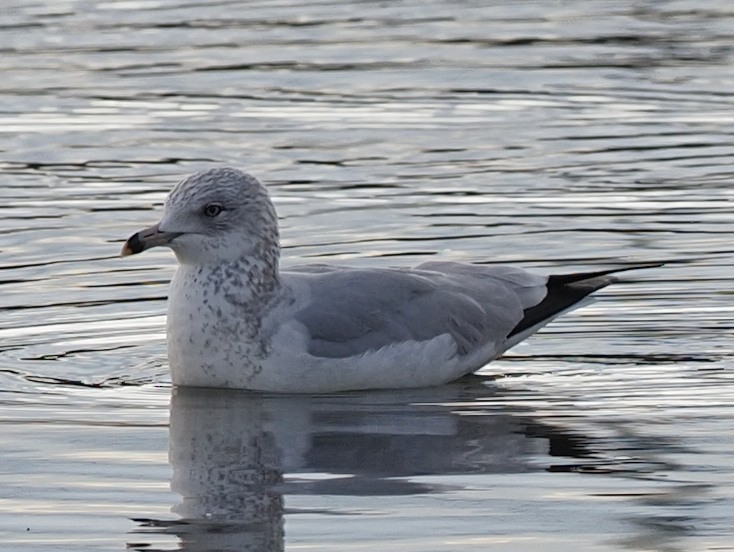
point(558, 135)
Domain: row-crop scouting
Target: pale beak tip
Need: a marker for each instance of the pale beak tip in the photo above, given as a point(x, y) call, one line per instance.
point(133, 245)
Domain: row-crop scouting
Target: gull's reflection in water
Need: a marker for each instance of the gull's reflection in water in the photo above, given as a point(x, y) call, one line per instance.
point(236, 454)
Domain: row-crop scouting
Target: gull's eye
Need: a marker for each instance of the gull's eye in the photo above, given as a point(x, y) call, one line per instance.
point(213, 209)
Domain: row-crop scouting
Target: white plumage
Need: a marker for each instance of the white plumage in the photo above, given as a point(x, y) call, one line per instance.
point(236, 320)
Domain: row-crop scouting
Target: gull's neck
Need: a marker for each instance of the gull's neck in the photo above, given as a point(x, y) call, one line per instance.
point(262, 272)
point(251, 280)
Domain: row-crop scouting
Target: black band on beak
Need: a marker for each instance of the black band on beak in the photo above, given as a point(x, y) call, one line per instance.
point(133, 245)
point(145, 239)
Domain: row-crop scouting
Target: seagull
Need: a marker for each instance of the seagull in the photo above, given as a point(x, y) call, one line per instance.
point(236, 320)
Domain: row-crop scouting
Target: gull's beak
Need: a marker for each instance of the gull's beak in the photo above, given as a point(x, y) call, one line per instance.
point(147, 238)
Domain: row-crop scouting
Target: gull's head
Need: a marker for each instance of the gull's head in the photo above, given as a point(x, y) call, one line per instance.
point(214, 216)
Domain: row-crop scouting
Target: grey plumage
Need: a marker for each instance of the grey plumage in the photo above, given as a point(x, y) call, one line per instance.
point(366, 309)
point(237, 320)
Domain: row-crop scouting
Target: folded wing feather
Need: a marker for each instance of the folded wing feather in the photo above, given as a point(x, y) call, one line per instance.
point(366, 309)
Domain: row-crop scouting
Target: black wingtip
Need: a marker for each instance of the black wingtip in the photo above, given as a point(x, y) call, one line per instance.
point(560, 279)
point(565, 290)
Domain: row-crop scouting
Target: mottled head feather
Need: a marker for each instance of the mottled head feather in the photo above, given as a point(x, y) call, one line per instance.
point(246, 227)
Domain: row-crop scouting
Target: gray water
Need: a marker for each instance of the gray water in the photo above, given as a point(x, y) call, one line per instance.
point(557, 135)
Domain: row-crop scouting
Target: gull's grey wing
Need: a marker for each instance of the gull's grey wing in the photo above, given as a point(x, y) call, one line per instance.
point(351, 311)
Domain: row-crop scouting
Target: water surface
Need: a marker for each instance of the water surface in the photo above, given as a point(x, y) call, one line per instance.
point(561, 136)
